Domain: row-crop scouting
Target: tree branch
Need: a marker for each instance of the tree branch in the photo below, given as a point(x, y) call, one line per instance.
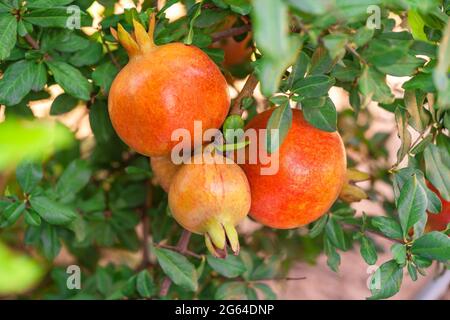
point(247, 91)
point(181, 248)
point(231, 32)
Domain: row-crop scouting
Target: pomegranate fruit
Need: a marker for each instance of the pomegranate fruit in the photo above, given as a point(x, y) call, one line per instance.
point(211, 198)
point(312, 171)
point(438, 222)
point(164, 171)
point(164, 88)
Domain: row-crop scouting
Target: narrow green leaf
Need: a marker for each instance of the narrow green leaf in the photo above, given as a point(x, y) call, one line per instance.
point(70, 79)
point(322, 117)
point(17, 81)
point(403, 134)
point(335, 234)
point(74, 178)
point(433, 245)
point(231, 267)
point(104, 75)
point(58, 17)
point(144, 284)
point(28, 175)
point(412, 204)
point(368, 250)
point(278, 126)
point(386, 281)
point(333, 258)
point(313, 86)
point(51, 211)
point(231, 291)
point(32, 218)
point(388, 226)
point(178, 268)
point(437, 171)
point(399, 252)
point(8, 30)
point(63, 104)
point(318, 226)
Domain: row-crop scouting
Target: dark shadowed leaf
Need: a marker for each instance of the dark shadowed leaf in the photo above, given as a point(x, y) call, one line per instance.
point(28, 175)
point(70, 79)
point(51, 211)
point(8, 29)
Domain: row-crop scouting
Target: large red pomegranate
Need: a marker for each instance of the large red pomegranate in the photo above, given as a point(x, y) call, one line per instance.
point(312, 171)
point(164, 88)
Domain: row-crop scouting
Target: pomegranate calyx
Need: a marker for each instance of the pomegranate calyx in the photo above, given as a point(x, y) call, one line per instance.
point(141, 42)
point(220, 236)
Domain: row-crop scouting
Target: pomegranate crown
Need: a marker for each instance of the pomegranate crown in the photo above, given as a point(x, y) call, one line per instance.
point(140, 42)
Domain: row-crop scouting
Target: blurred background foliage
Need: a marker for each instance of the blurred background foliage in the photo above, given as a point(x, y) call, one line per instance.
point(73, 193)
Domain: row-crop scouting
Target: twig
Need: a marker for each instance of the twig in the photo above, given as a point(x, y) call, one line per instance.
point(146, 227)
point(231, 32)
point(274, 279)
point(175, 248)
point(247, 91)
point(355, 53)
point(33, 43)
point(181, 247)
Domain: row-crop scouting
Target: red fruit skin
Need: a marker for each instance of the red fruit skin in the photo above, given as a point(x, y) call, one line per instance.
point(312, 171)
point(166, 89)
point(438, 222)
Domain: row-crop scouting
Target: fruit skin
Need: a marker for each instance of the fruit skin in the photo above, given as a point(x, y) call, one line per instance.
point(164, 88)
point(164, 171)
point(211, 198)
point(312, 171)
point(438, 222)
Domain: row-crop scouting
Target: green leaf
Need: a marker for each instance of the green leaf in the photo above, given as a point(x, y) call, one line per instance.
point(440, 73)
point(421, 81)
point(322, 117)
point(51, 246)
point(177, 268)
point(231, 267)
point(382, 53)
point(368, 250)
point(335, 44)
point(55, 17)
point(70, 79)
point(299, 69)
point(388, 226)
point(279, 49)
point(231, 291)
point(373, 85)
point(51, 211)
point(313, 86)
point(8, 30)
point(315, 7)
point(420, 119)
point(399, 252)
point(12, 213)
point(17, 81)
point(48, 3)
point(278, 126)
point(144, 284)
point(403, 134)
point(242, 7)
point(30, 140)
point(333, 258)
point(412, 271)
point(318, 226)
point(233, 127)
point(437, 171)
point(335, 234)
point(412, 204)
point(74, 178)
point(100, 122)
point(433, 245)
point(32, 218)
point(63, 104)
point(89, 56)
point(104, 75)
point(386, 281)
point(40, 79)
point(406, 66)
point(363, 35)
point(28, 175)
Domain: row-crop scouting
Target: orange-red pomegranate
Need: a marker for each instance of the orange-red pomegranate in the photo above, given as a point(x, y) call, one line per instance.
point(164, 88)
point(211, 198)
point(438, 222)
point(312, 171)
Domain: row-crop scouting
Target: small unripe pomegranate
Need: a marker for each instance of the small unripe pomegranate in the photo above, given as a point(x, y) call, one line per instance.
point(312, 171)
point(164, 88)
point(210, 197)
point(164, 171)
